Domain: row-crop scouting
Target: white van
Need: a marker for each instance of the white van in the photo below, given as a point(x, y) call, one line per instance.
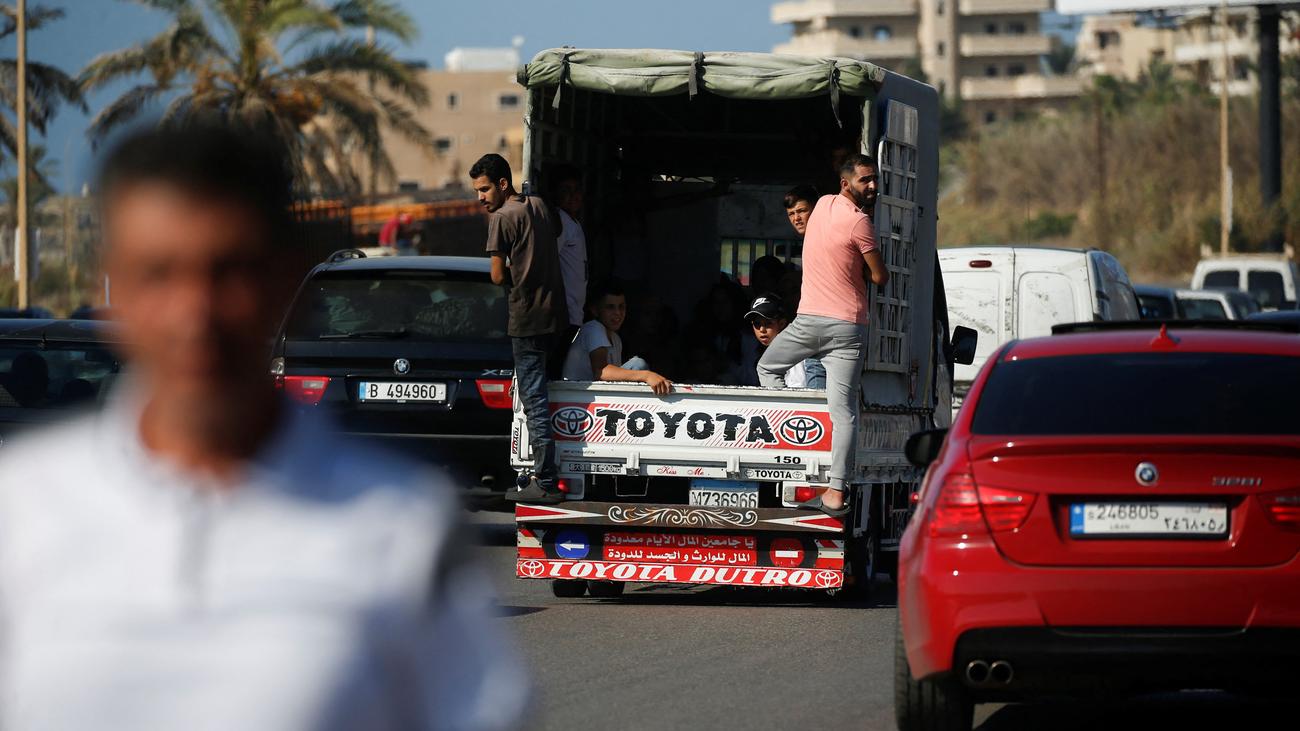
point(1009, 292)
point(1271, 278)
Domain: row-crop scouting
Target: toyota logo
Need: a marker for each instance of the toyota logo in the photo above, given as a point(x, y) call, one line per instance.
point(572, 421)
point(826, 579)
point(1146, 474)
point(801, 430)
point(532, 568)
point(401, 366)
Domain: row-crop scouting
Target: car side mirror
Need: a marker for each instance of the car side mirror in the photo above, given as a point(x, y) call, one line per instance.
point(963, 344)
point(923, 447)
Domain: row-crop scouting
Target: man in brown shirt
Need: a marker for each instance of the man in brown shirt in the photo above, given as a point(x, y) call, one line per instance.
point(526, 260)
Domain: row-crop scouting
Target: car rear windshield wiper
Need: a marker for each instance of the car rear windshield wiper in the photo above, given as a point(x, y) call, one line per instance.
point(400, 332)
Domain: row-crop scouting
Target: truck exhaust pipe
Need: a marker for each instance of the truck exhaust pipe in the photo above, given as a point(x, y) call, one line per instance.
point(977, 672)
point(1001, 673)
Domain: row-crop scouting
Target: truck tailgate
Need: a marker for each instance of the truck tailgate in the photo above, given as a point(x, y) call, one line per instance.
point(715, 432)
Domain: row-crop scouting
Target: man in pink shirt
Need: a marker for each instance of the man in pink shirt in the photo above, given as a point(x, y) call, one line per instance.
point(839, 252)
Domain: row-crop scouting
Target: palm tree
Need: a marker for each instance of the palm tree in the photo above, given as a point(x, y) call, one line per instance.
point(39, 171)
point(47, 87)
point(295, 67)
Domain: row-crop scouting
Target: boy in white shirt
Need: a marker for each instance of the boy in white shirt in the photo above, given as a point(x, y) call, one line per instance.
point(597, 347)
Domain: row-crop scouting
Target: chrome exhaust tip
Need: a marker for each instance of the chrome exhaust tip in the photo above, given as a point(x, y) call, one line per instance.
point(1001, 673)
point(977, 672)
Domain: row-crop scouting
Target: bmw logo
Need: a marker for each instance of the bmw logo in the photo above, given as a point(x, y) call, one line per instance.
point(1146, 474)
point(401, 366)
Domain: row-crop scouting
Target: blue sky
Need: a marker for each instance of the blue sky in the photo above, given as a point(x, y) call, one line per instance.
point(91, 27)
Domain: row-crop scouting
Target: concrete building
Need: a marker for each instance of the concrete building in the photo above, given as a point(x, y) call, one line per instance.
point(987, 53)
point(475, 107)
point(1124, 45)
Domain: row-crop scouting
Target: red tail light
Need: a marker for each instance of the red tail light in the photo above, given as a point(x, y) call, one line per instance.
point(1005, 509)
point(304, 389)
point(957, 509)
point(804, 493)
point(1283, 508)
point(494, 392)
point(562, 485)
point(963, 508)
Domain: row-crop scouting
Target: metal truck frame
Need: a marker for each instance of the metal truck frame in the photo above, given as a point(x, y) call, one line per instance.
point(702, 486)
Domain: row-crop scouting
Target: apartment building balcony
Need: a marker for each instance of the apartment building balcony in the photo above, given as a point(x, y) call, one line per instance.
point(802, 11)
point(1002, 7)
point(1213, 50)
point(980, 44)
point(1028, 86)
point(832, 43)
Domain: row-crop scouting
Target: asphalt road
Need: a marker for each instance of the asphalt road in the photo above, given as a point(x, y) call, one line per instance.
point(672, 657)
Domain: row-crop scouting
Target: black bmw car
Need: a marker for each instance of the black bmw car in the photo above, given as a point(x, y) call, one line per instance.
point(50, 369)
point(410, 351)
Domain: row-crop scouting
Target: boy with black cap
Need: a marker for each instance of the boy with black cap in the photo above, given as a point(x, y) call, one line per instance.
point(767, 317)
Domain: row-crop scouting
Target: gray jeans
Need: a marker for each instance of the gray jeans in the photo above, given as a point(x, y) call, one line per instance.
point(842, 347)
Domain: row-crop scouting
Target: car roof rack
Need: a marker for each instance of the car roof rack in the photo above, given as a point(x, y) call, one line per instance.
point(1071, 328)
point(345, 255)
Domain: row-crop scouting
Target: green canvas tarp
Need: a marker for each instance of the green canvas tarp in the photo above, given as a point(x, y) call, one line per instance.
point(650, 73)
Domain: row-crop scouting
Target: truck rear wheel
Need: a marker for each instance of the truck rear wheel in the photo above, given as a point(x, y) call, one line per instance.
point(933, 704)
point(568, 588)
point(605, 589)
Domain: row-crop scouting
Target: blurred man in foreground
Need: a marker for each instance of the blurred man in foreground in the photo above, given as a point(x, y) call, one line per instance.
point(199, 556)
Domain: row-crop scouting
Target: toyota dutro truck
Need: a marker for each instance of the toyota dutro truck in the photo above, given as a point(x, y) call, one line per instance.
point(686, 157)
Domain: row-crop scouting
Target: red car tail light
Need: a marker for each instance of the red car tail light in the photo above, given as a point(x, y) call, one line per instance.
point(304, 389)
point(963, 507)
point(1005, 509)
point(957, 508)
point(494, 392)
point(1283, 508)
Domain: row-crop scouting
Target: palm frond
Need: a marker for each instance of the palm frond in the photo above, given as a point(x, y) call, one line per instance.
point(121, 111)
point(282, 16)
point(37, 16)
point(351, 56)
point(382, 15)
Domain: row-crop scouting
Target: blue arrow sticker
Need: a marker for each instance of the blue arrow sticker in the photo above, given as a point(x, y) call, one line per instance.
point(572, 544)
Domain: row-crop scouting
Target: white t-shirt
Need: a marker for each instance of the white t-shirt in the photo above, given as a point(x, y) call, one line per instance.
point(573, 266)
point(593, 335)
point(324, 590)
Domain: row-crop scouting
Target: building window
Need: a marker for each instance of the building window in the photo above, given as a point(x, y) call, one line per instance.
point(939, 8)
point(442, 145)
point(991, 29)
point(938, 51)
point(453, 100)
point(503, 143)
point(882, 33)
point(408, 186)
point(1106, 39)
point(855, 31)
point(508, 101)
point(990, 71)
point(990, 117)
point(1016, 29)
point(1016, 69)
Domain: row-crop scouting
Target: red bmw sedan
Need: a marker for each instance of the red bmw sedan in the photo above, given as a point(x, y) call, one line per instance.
point(1115, 510)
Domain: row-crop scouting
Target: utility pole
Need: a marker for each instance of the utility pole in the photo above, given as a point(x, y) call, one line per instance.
point(370, 83)
point(20, 235)
point(1225, 172)
point(1270, 116)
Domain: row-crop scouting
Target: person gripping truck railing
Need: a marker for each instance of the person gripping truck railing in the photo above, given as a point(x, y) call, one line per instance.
point(832, 320)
